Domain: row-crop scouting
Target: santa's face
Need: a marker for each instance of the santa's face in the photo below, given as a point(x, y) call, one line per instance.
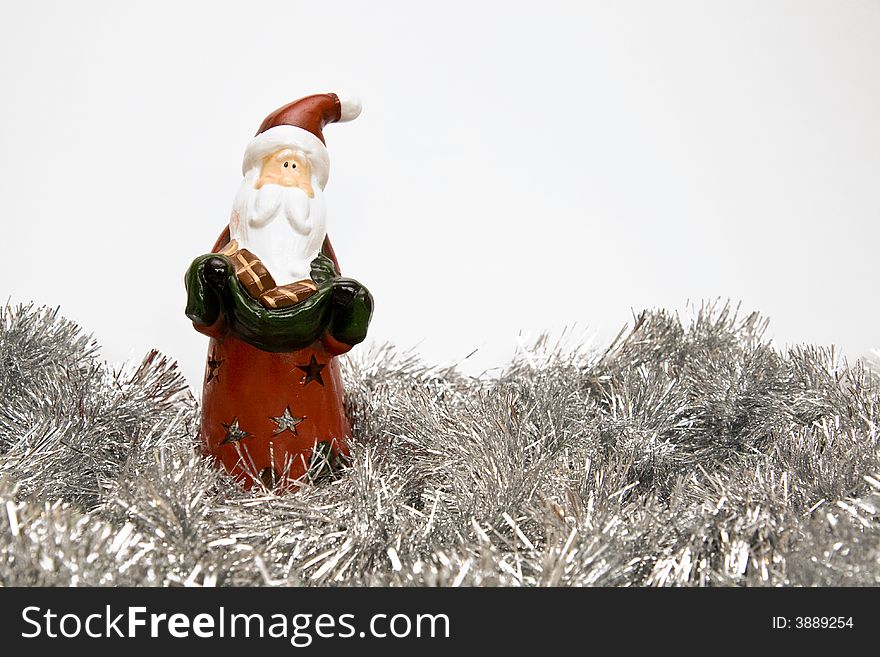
point(279, 215)
point(288, 169)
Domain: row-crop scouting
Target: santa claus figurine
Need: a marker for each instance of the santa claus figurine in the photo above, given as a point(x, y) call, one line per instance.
point(277, 310)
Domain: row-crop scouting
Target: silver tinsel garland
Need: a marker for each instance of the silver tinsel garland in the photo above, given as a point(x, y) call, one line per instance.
point(686, 453)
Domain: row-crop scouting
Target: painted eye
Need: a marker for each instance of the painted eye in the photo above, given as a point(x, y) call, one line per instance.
point(285, 164)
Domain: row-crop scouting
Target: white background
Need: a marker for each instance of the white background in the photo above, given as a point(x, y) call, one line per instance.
point(517, 166)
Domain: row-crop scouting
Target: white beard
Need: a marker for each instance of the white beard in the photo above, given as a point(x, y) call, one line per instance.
point(282, 226)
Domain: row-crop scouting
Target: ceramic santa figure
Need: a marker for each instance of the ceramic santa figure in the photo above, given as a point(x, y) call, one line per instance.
point(277, 310)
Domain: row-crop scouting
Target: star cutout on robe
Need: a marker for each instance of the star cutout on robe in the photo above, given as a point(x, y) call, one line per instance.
point(312, 371)
point(234, 433)
point(286, 422)
point(213, 368)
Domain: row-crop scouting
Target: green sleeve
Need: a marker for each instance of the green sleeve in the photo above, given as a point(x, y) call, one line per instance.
point(282, 329)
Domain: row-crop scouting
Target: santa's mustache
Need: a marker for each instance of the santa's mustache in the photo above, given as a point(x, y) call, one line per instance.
point(272, 201)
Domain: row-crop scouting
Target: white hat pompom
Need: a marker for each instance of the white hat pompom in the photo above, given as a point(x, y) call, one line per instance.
point(351, 107)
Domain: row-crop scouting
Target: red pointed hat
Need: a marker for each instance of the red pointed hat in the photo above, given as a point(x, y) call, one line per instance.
point(300, 126)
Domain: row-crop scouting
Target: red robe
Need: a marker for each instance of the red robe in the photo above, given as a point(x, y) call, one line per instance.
point(264, 413)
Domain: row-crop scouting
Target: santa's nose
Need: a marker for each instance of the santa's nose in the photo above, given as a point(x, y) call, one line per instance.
point(288, 181)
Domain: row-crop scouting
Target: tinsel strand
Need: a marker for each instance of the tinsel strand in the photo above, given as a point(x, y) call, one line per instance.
point(687, 452)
